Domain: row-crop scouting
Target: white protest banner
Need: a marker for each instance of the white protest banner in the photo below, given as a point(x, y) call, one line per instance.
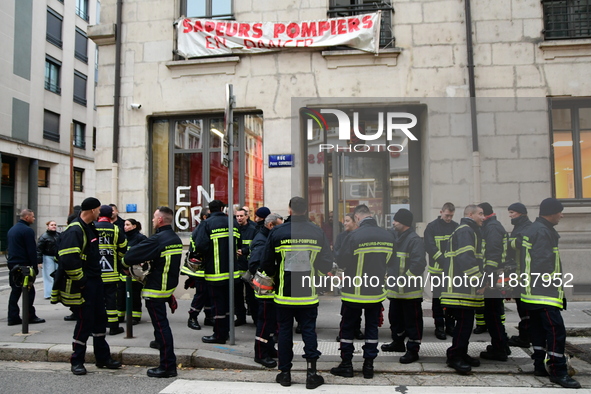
point(209, 37)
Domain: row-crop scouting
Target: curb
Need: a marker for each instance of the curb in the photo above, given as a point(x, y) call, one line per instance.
point(207, 359)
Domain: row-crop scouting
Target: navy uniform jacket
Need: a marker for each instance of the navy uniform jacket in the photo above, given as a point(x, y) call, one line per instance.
point(294, 251)
point(211, 242)
point(22, 248)
point(464, 260)
point(164, 249)
point(436, 238)
point(112, 248)
point(247, 234)
point(407, 267)
point(494, 244)
point(366, 252)
point(540, 261)
point(520, 223)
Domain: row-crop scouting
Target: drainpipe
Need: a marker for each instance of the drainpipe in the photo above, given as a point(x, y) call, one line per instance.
point(116, 105)
point(472, 87)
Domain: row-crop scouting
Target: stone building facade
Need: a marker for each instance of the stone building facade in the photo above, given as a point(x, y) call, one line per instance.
point(532, 83)
point(47, 81)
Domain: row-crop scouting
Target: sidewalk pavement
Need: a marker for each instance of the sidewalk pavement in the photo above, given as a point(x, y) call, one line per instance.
point(51, 341)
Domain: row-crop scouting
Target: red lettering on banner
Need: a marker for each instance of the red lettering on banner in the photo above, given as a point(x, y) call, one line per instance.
point(198, 27)
point(341, 26)
point(293, 30)
point(215, 42)
point(231, 29)
point(257, 28)
point(209, 26)
point(367, 22)
point(187, 26)
point(309, 30)
point(219, 28)
point(311, 158)
point(249, 44)
point(243, 30)
point(333, 27)
point(353, 24)
point(323, 27)
point(278, 28)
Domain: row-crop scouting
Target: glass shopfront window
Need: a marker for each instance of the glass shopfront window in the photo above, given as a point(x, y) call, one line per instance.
point(188, 170)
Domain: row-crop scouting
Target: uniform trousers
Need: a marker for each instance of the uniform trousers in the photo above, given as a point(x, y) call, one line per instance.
point(264, 344)
point(350, 316)
point(220, 304)
point(548, 337)
point(111, 303)
point(15, 294)
point(440, 317)
point(162, 333)
point(494, 309)
point(464, 318)
point(306, 318)
point(524, 321)
point(91, 319)
point(406, 320)
point(201, 300)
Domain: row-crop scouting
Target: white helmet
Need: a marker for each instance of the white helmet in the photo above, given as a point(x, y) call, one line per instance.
point(139, 272)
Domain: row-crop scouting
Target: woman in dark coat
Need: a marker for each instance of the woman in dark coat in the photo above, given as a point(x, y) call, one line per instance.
point(47, 255)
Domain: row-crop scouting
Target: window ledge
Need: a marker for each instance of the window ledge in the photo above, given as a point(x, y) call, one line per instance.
point(204, 66)
point(566, 48)
point(356, 58)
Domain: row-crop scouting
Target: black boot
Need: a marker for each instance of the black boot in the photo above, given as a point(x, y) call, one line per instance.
point(345, 369)
point(480, 329)
point(368, 368)
point(193, 324)
point(284, 378)
point(394, 347)
point(440, 333)
point(409, 357)
point(313, 380)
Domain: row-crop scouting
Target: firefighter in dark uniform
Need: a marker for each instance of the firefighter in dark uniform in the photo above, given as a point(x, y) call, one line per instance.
point(211, 242)
point(294, 251)
point(540, 259)
point(405, 291)
point(464, 260)
point(112, 248)
point(366, 252)
point(520, 221)
point(264, 341)
point(494, 251)
point(79, 285)
point(436, 238)
point(163, 250)
point(243, 291)
point(196, 280)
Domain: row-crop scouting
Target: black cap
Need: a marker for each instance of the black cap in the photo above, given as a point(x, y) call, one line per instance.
point(90, 203)
point(106, 211)
point(263, 212)
point(486, 208)
point(518, 207)
point(550, 206)
point(404, 216)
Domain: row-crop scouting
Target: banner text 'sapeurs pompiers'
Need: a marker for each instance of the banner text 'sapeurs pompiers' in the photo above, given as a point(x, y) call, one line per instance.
point(209, 37)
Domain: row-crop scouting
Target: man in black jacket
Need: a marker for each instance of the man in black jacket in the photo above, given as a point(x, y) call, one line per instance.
point(520, 221)
point(494, 241)
point(436, 238)
point(405, 289)
point(79, 257)
point(461, 298)
point(243, 292)
point(164, 250)
point(212, 242)
point(264, 344)
point(22, 250)
point(543, 294)
point(365, 253)
point(294, 254)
